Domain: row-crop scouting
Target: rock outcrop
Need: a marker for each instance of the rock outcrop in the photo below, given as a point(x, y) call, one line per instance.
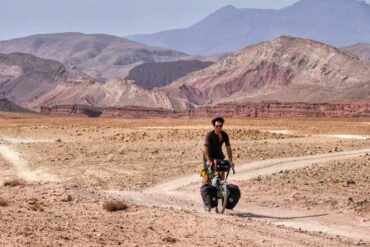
point(280, 109)
point(264, 109)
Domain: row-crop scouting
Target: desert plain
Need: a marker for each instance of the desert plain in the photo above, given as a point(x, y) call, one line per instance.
point(304, 182)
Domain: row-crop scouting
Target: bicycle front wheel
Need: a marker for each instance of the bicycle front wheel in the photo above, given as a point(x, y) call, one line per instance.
point(223, 197)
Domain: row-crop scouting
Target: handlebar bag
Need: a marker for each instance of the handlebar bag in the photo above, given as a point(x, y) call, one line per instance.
point(221, 165)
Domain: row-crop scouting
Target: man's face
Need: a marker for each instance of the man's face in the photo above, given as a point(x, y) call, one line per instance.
point(218, 127)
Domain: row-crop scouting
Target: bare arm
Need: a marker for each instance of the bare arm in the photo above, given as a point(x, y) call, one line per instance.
point(230, 154)
point(206, 155)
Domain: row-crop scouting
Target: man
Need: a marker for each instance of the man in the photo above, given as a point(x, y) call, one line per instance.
point(213, 146)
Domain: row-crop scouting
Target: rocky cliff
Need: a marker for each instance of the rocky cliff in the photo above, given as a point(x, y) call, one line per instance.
point(263, 109)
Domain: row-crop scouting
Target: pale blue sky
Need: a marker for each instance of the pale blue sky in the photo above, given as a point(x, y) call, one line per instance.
point(118, 17)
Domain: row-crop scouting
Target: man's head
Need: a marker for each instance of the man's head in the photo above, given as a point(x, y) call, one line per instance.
point(217, 123)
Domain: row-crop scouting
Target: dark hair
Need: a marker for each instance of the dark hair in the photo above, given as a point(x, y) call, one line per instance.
point(217, 119)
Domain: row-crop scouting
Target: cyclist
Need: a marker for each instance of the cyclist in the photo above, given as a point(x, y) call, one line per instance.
point(213, 147)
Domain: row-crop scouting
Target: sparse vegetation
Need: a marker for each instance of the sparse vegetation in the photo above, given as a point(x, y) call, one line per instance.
point(169, 240)
point(14, 183)
point(69, 198)
point(3, 202)
point(36, 205)
point(115, 205)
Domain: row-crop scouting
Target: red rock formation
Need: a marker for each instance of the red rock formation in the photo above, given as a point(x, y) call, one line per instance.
point(263, 109)
point(277, 109)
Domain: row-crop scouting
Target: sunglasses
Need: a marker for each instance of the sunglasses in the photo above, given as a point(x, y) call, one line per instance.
point(218, 126)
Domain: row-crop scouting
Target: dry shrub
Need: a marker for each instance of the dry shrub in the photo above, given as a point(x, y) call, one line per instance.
point(169, 240)
point(36, 205)
point(115, 205)
point(3, 202)
point(14, 183)
point(69, 198)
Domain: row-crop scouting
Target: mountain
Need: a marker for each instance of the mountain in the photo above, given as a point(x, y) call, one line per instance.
point(102, 57)
point(32, 82)
point(286, 69)
point(361, 50)
point(24, 77)
point(335, 22)
point(150, 75)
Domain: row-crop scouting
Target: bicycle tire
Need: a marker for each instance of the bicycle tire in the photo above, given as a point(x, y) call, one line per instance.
point(225, 195)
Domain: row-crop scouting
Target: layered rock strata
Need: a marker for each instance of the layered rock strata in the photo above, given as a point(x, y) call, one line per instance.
point(263, 109)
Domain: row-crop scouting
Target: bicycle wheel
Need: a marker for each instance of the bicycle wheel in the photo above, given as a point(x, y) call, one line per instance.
point(224, 195)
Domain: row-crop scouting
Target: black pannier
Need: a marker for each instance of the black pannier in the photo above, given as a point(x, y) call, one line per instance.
point(234, 196)
point(221, 165)
point(209, 195)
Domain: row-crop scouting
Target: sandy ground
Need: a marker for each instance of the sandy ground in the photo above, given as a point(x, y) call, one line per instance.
point(94, 160)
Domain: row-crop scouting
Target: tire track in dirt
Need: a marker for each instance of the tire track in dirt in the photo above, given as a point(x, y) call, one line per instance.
point(21, 166)
point(183, 193)
point(260, 168)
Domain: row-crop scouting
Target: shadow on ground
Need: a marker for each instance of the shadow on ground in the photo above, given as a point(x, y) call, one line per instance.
point(251, 215)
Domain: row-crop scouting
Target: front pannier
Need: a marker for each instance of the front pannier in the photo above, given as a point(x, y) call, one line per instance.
point(234, 196)
point(209, 195)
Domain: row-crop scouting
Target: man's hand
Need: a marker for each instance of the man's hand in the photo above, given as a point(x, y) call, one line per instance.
point(232, 164)
point(209, 163)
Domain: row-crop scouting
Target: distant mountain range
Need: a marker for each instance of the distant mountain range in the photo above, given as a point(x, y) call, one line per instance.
point(286, 69)
point(361, 50)
point(335, 22)
point(103, 57)
point(106, 57)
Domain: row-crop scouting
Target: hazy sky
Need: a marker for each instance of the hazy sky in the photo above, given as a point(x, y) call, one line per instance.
point(119, 17)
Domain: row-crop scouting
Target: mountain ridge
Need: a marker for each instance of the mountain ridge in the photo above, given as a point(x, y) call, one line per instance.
point(286, 69)
point(362, 50)
point(101, 56)
point(335, 22)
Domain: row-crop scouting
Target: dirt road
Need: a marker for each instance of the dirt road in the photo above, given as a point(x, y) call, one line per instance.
point(183, 193)
point(21, 166)
point(110, 160)
point(180, 193)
